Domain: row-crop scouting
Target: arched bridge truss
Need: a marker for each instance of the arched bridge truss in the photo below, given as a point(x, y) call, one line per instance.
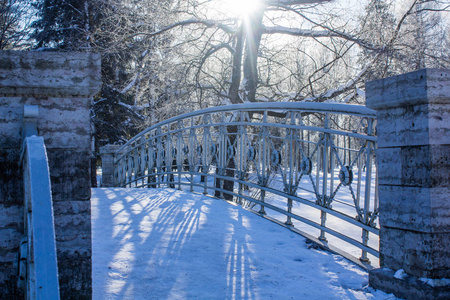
point(307, 166)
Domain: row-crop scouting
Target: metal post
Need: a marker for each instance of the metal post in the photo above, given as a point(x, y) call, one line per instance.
point(365, 233)
point(240, 167)
point(223, 153)
point(263, 162)
point(323, 215)
point(290, 153)
point(191, 154)
point(206, 149)
point(180, 152)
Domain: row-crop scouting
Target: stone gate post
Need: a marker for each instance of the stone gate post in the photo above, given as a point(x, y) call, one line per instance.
point(107, 156)
point(413, 128)
point(62, 85)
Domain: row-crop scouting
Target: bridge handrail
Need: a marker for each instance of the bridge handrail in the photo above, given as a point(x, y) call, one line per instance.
point(300, 106)
point(38, 268)
point(42, 268)
point(268, 148)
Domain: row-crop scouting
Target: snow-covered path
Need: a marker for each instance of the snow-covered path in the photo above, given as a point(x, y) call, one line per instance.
point(169, 244)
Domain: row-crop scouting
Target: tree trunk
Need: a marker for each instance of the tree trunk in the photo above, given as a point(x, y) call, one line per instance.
point(228, 185)
point(253, 32)
point(233, 92)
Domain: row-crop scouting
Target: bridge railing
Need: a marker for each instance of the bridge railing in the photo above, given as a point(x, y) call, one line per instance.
point(38, 268)
point(307, 166)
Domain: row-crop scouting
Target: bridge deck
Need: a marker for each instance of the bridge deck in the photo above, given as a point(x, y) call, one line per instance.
point(168, 244)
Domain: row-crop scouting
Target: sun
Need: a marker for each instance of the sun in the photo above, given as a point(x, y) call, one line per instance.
point(241, 7)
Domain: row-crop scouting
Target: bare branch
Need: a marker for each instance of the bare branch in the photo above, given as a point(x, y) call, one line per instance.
point(207, 23)
point(294, 2)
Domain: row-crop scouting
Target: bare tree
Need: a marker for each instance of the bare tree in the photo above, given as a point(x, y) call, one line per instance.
point(14, 22)
point(169, 56)
point(188, 54)
point(411, 42)
point(165, 57)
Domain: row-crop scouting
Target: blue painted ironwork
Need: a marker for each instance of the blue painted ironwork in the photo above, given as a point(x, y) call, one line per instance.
point(317, 157)
point(38, 249)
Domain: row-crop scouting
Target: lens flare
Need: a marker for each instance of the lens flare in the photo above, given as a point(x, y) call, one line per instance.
point(242, 7)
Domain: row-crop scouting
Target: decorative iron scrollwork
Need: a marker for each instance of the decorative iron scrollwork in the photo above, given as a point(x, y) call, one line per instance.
point(231, 151)
point(213, 149)
point(262, 180)
point(324, 201)
point(346, 175)
point(275, 157)
point(251, 153)
point(199, 149)
point(306, 166)
point(162, 154)
point(290, 189)
point(186, 150)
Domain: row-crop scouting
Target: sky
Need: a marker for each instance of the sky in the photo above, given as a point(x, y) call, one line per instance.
point(170, 244)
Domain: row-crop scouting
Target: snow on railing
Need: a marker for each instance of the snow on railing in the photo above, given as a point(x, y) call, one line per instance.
point(38, 268)
point(307, 166)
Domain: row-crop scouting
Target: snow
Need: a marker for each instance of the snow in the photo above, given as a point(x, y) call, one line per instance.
point(436, 282)
point(299, 32)
point(400, 274)
point(169, 244)
point(343, 202)
point(130, 85)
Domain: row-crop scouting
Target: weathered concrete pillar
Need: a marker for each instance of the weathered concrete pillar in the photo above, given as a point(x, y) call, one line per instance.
point(62, 85)
point(107, 155)
point(413, 128)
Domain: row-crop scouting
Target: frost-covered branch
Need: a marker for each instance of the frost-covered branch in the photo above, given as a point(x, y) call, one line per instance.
point(299, 32)
point(294, 2)
point(207, 23)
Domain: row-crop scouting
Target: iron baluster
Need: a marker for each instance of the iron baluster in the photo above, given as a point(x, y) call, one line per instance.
point(331, 167)
point(179, 151)
point(323, 214)
point(290, 158)
point(263, 162)
point(222, 154)
point(365, 233)
point(358, 187)
point(191, 153)
point(240, 165)
point(206, 147)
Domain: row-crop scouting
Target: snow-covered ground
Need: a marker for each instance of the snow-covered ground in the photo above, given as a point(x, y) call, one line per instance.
point(169, 244)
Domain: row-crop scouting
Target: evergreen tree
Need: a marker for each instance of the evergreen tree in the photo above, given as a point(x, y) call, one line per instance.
point(99, 26)
point(64, 24)
point(73, 25)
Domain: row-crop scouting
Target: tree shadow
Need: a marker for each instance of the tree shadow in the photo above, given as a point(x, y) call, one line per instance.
point(165, 243)
point(169, 244)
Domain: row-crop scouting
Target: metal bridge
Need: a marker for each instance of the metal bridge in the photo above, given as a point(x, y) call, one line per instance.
point(307, 166)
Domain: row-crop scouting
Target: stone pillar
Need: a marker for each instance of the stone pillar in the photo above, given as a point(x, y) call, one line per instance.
point(62, 85)
point(107, 155)
point(413, 128)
